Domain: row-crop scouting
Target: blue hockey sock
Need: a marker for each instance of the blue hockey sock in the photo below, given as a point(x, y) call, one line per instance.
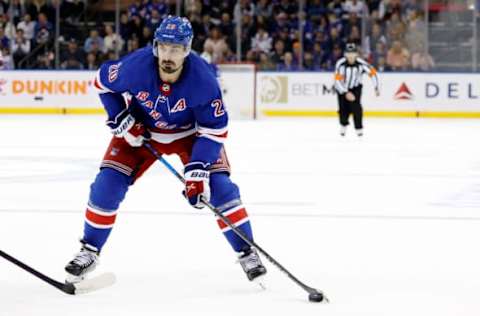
point(106, 193)
point(226, 198)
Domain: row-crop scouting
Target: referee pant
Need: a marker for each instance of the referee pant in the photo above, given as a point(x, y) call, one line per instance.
point(345, 108)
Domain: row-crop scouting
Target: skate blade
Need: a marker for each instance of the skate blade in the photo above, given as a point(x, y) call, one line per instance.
point(260, 281)
point(96, 283)
point(73, 279)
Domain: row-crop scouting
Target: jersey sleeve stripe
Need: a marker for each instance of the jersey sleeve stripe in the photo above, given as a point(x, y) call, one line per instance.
point(99, 86)
point(212, 131)
point(218, 139)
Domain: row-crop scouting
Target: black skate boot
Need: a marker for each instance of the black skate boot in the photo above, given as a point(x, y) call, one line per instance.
point(251, 264)
point(84, 262)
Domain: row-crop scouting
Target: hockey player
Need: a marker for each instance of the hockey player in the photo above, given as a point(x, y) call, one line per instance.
point(172, 95)
point(349, 71)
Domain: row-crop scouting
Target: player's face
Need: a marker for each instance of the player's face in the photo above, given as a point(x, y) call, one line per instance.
point(351, 57)
point(170, 57)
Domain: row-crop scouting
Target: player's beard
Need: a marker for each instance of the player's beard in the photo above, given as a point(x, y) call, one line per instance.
point(168, 67)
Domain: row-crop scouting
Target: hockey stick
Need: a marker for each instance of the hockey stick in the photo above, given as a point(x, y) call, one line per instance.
point(81, 287)
point(313, 294)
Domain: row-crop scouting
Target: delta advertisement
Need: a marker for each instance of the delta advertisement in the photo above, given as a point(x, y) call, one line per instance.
point(401, 94)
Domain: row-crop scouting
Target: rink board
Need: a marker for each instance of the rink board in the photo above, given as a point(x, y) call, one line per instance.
point(285, 94)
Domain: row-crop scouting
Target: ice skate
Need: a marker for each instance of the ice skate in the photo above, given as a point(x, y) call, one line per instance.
point(359, 132)
point(343, 130)
point(252, 265)
point(85, 261)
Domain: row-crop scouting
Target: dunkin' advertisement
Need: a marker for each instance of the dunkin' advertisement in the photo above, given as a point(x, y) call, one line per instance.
point(48, 89)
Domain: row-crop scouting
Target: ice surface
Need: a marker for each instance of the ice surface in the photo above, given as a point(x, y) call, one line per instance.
point(387, 225)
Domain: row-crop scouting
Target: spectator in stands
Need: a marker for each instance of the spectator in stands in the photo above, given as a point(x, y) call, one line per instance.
point(207, 54)
point(97, 51)
point(265, 62)
point(336, 8)
point(284, 36)
point(28, 26)
point(147, 36)
point(297, 54)
point(398, 57)
point(370, 42)
point(125, 27)
point(334, 39)
point(336, 54)
point(289, 7)
point(309, 62)
point(422, 60)
point(264, 8)
point(320, 57)
point(72, 64)
point(136, 26)
point(218, 45)
point(16, 11)
point(4, 40)
point(20, 47)
point(278, 53)
point(3, 6)
point(287, 63)
point(262, 42)
point(72, 53)
point(380, 52)
point(155, 19)
point(8, 27)
point(92, 62)
point(354, 36)
point(93, 40)
point(37, 7)
point(6, 60)
point(112, 41)
point(416, 30)
point(44, 61)
point(244, 7)
point(43, 29)
point(356, 7)
point(226, 25)
point(132, 45)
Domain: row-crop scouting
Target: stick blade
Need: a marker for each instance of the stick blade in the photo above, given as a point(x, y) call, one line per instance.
point(94, 284)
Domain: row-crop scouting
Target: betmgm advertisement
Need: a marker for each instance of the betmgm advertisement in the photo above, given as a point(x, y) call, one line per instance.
point(401, 95)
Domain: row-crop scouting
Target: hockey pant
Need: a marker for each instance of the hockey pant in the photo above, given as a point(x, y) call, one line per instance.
point(117, 175)
point(345, 108)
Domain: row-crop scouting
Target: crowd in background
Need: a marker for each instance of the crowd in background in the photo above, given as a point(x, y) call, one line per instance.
point(394, 32)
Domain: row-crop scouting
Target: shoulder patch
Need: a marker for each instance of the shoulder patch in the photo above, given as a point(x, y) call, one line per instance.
point(113, 72)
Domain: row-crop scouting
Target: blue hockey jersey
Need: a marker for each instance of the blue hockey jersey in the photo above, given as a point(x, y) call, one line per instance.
point(192, 105)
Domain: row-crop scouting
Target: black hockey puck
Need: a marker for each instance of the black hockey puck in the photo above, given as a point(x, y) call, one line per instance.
point(315, 297)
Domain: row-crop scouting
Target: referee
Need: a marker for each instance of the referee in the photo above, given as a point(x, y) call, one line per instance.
point(349, 71)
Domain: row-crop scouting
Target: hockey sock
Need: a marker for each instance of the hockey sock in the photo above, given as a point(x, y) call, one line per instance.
point(106, 193)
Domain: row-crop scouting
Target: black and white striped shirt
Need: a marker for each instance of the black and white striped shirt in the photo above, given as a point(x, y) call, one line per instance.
point(349, 76)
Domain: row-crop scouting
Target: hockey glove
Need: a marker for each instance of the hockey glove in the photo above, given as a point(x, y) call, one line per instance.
point(197, 184)
point(125, 126)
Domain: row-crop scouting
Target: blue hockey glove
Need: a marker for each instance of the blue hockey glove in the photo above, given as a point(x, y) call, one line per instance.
point(125, 126)
point(197, 183)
